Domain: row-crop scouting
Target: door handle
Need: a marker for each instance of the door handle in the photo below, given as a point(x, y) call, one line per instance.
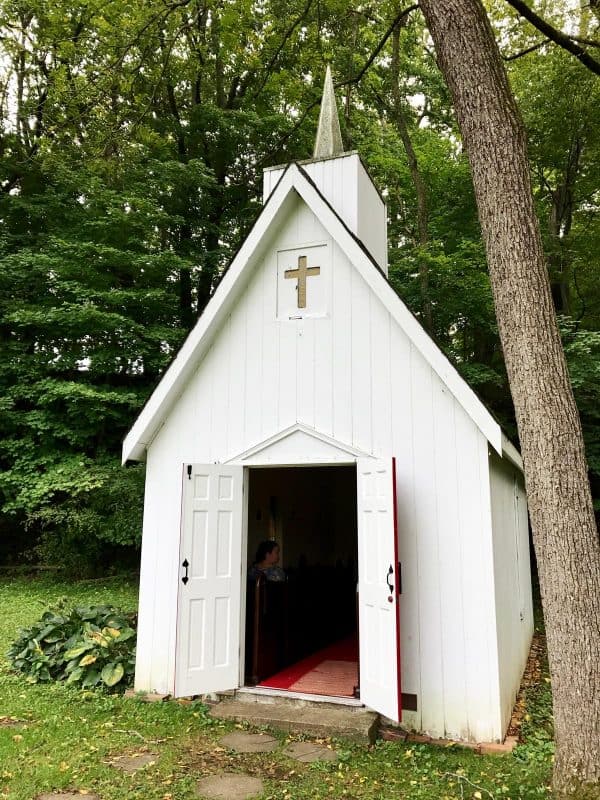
point(387, 580)
point(185, 578)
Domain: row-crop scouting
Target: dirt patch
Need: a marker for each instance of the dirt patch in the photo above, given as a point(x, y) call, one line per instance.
point(213, 759)
point(67, 796)
point(12, 722)
point(531, 677)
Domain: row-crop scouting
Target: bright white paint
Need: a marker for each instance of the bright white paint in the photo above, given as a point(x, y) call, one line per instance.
point(362, 379)
point(208, 620)
point(323, 224)
point(377, 587)
point(512, 578)
point(345, 183)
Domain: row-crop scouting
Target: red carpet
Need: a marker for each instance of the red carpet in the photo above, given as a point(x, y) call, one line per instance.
point(331, 671)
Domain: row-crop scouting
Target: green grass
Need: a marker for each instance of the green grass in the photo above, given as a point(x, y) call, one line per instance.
point(69, 735)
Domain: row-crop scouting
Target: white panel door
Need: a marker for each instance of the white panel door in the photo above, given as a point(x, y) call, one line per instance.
point(378, 587)
point(210, 559)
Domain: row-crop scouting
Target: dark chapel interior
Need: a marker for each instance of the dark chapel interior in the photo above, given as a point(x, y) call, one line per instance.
point(311, 513)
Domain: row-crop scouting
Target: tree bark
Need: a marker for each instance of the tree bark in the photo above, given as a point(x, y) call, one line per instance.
point(560, 504)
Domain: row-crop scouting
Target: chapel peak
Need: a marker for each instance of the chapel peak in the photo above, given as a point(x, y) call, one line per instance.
point(328, 143)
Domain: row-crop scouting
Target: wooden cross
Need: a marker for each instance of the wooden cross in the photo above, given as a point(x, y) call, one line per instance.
point(302, 273)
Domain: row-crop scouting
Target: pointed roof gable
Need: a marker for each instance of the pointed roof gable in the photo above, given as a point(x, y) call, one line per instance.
point(295, 181)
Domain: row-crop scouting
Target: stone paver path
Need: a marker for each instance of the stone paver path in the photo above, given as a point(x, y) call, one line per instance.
point(310, 751)
point(131, 763)
point(243, 742)
point(229, 786)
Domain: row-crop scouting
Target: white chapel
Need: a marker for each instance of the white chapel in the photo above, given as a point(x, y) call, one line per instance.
point(309, 407)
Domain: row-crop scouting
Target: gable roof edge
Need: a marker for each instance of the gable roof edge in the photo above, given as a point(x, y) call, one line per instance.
point(379, 284)
point(173, 381)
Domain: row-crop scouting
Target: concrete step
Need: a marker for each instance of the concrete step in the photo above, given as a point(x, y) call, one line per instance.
point(301, 716)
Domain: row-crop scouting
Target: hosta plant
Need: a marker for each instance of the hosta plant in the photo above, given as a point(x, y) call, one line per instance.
point(89, 646)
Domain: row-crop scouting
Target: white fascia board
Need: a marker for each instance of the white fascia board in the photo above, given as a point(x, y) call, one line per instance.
point(382, 289)
point(182, 367)
point(511, 452)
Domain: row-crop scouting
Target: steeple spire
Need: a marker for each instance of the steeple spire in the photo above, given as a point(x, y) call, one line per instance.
point(329, 137)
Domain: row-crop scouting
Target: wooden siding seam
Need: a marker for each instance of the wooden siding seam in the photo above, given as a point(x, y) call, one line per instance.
point(486, 516)
point(419, 608)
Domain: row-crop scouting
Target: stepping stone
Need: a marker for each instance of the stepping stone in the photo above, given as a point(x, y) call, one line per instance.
point(310, 751)
point(229, 786)
point(131, 764)
point(249, 742)
point(67, 796)
point(12, 722)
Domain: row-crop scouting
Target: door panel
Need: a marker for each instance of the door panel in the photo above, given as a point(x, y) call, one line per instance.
point(378, 587)
point(208, 619)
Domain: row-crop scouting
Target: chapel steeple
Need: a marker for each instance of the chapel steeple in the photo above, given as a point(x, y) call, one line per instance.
point(342, 179)
point(329, 136)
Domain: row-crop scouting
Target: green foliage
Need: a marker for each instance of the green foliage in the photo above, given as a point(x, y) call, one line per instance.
point(131, 150)
point(68, 736)
point(88, 646)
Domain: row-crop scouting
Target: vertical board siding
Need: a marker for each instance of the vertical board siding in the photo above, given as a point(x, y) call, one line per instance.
point(341, 367)
point(361, 365)
point(402, 444)
point(305, 372)
point(450, 554)
point(372, 219)
point(155, 657)
point(477, 581)
point(381, 388)
point(524, 566)
point(337, 181)
point(270, 358)
point(202, 396)
point(254, 360)
point(354, 375)
point(428, 575)
point(512, 579)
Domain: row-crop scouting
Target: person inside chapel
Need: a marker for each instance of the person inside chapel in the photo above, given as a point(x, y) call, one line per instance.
point(266, 562)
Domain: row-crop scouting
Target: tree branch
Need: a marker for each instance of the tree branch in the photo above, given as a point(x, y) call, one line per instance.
point(280, 47)
point(525, 52)
point(379, 48)
point(556, 36)
point(354, 80)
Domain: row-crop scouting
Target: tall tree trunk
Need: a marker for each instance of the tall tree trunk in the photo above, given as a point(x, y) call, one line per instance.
point(560, 504)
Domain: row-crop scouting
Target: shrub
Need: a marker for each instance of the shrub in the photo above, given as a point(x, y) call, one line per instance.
point(89, 646)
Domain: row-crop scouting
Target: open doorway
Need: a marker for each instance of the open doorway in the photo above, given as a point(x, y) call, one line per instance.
point(301, 633)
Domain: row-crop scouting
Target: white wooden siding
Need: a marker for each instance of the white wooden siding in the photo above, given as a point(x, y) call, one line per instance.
point(346, 185)
point(512, 576)
point(355, 376)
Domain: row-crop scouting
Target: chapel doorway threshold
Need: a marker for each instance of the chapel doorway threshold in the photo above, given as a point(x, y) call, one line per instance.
point(265, 694)
point(332, 671)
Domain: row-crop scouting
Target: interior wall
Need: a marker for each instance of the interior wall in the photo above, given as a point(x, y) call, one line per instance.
point(309, 511)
